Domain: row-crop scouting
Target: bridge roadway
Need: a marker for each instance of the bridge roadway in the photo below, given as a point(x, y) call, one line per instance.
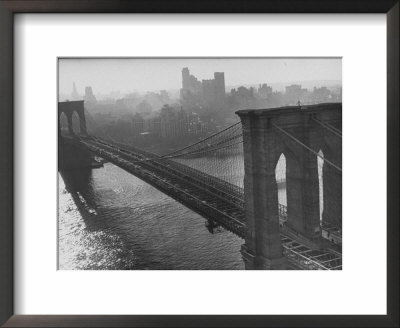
point(212, 198)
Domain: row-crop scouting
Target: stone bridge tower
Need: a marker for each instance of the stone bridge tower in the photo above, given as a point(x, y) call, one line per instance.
point(296, 132)
point(68, 108)
point(70, 156)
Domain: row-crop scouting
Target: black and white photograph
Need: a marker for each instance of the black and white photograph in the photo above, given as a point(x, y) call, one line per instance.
point(199, 163)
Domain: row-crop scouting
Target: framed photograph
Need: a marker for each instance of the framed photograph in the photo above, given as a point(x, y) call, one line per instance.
point(184, 165)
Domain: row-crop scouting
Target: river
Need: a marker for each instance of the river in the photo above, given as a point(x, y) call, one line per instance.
point(111, 220)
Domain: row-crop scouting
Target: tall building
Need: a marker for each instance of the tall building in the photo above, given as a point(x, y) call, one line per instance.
point(294, 93)
point(214, 91)
point(243, 97)
point(320, 95)
point(74, 94)
point(209, 93)
point(89, 96)
point(191, 91)
point(264, 91)
point(190, 82)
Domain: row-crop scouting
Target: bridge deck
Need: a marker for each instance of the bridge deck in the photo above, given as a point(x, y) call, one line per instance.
point(213, 201)
point(209, 196)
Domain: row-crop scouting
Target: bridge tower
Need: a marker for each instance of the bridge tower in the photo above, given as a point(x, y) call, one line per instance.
point(295, 132)
point(70, 156)
point(68, 108)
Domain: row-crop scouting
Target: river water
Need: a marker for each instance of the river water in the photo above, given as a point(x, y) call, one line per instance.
point(111, 220)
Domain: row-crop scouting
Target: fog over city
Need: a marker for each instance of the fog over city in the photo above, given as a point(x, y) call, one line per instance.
point(154, 102)
point(126, 75)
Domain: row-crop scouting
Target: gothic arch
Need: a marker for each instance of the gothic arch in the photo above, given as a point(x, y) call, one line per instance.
point(63, 123)
point(321, 163)
point(76, 122)
point(280, 176)
point(70, 109)
point(332, 188)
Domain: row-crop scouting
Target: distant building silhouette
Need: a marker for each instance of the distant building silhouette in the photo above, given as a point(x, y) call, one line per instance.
point(171, 123)
point(189, 82)
point(208, 93)
point(191, 92)
point(295, 93)
point(74, 94)
point(89, 96)
point(320, 95)
point(264, 91)
point(214, 91)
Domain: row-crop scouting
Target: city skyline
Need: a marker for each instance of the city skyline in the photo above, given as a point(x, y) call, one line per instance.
point(140, 75)
point(177, 180)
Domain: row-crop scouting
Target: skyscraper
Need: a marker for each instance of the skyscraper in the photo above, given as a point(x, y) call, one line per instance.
point(209, 93)
point(214, 91)
point(74, 94)
point(89, 96)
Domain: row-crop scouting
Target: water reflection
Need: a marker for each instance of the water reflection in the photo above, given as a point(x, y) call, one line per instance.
point(109, 219)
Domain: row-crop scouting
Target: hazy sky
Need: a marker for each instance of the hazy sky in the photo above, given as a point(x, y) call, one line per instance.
point(107, 75)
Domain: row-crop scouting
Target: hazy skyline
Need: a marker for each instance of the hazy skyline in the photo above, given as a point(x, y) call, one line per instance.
point(154, 74)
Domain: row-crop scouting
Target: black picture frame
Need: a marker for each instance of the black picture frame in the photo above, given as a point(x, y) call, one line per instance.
point(10, 7)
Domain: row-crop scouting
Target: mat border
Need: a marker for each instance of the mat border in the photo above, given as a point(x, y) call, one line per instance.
point(10, 7)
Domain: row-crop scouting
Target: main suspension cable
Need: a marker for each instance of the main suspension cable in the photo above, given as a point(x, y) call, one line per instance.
point(328, 127)
point(204, 151)
point(198, 142)
point(308, 148)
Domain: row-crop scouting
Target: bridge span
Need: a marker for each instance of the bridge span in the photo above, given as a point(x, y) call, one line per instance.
point(225, 203)
point(215, 201)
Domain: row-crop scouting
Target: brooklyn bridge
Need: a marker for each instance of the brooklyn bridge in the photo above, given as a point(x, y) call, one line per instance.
point(302, 230)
